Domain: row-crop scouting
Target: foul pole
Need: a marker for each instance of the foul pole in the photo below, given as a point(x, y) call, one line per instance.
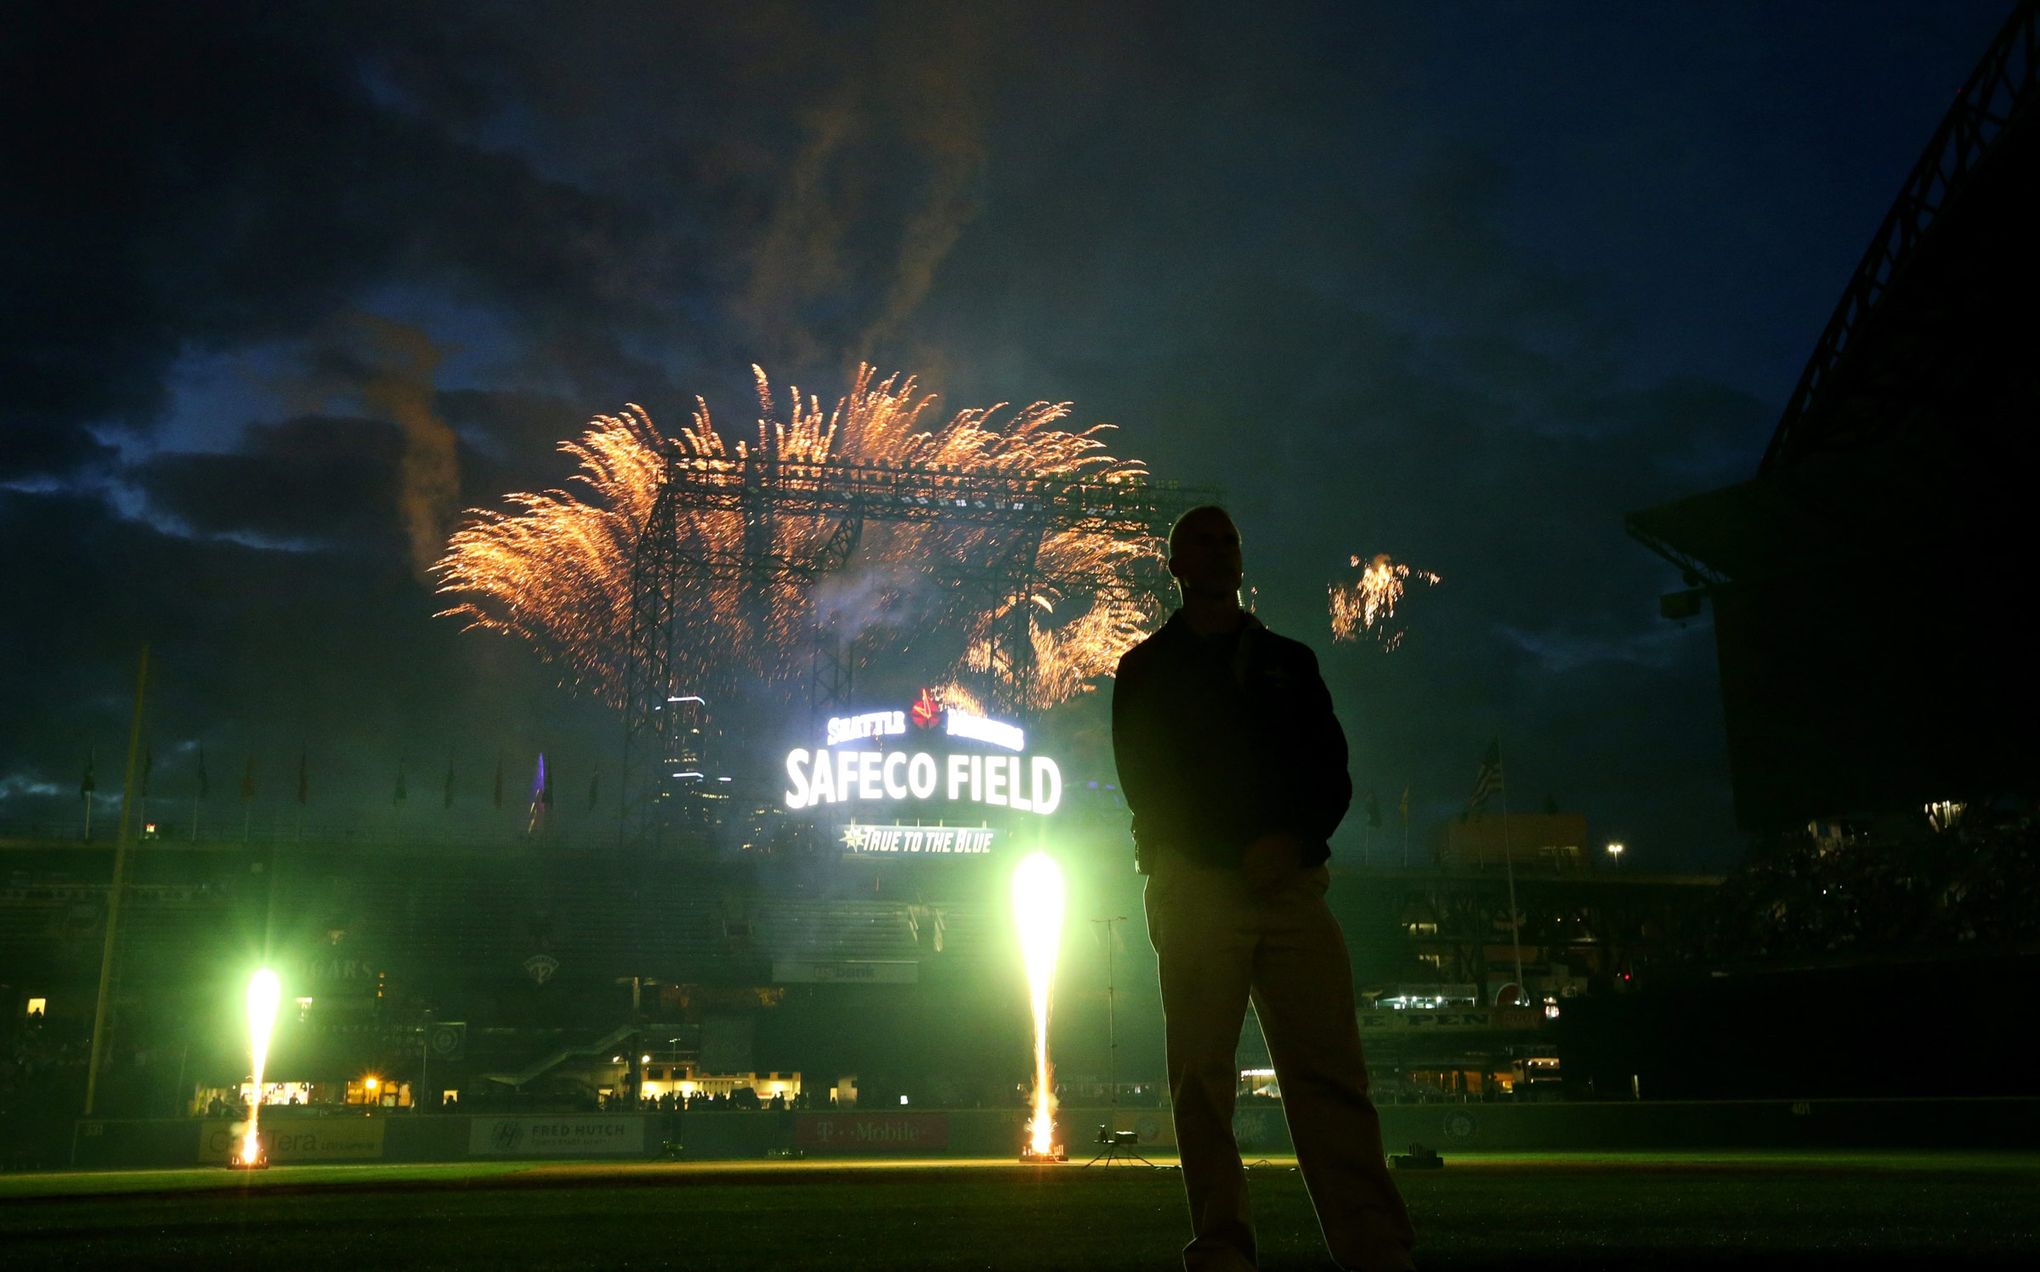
point(1509, 868)
point(120, 851)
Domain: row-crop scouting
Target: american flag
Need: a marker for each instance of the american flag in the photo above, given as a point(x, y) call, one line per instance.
point(1488, 781)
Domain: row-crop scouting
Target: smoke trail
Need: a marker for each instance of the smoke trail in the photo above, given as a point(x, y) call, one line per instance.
point(402, 362)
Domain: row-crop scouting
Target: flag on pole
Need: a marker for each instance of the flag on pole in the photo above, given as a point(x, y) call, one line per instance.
point(1373, 810)
point(1488, 782)
point(204, 787)
point(88, 783)
point(541, 796)
point(248, 781)
point(304, 779)
point(447, 800)
point(1406, 804)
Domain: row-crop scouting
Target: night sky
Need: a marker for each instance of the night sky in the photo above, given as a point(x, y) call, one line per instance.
point(1462, 283)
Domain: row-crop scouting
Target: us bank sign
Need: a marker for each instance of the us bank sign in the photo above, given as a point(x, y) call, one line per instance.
point(947, 760)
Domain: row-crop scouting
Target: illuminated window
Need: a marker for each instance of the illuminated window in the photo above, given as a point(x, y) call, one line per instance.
point(38, 1006)
point(278, 1093)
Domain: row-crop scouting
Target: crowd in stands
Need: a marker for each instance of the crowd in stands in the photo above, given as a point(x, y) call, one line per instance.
point(1889, 887)
point(37, 1051)
point(743, 1099)
point(42, 1080)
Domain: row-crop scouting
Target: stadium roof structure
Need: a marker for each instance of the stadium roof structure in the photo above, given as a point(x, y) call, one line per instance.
point(1862, 579)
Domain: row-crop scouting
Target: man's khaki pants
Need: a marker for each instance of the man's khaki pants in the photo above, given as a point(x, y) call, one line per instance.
point(1219, 943)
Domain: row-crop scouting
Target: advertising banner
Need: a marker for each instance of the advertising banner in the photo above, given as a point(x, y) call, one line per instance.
point(447, 1039)
point(1415, 1020)
point(333, 1139)
point(800, 971)
point(872, 1132)
point(1156, 1128)
point(1259, 1128)
point(572, 1135)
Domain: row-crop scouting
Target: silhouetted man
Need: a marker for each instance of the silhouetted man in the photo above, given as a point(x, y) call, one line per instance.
point(1235, 770)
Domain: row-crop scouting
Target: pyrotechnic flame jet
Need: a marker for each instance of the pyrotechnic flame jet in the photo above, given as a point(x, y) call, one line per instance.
point(1368, 604)
point(265, 991)
point(1038, 913)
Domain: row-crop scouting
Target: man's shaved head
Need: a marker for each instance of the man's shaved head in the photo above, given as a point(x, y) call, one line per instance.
point(1204, 555)
point(1195, 515)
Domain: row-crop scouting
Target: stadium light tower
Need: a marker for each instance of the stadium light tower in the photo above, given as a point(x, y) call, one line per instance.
point(1615, 853)
point(1111, 992)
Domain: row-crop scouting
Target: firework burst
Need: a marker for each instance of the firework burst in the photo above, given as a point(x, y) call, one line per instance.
point(1367, 605)
point(554, 567)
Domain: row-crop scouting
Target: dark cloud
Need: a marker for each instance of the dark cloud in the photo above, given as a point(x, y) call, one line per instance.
point(513, 429)
point(321, 481)
point(31, 455)
point(202, 177)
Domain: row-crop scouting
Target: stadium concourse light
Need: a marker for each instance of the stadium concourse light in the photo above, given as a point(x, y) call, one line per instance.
point(1615, 853)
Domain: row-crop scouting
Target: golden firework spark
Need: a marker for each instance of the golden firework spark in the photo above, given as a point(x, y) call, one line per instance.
point(554, 567)
point(1368, 604)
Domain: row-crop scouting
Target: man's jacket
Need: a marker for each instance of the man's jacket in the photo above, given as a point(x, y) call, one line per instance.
point(1221, 740)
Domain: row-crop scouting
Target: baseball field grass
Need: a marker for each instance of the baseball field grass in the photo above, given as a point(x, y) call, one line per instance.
point(1654, 1211)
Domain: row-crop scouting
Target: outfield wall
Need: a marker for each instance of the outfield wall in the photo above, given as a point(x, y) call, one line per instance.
point(408, 1137)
